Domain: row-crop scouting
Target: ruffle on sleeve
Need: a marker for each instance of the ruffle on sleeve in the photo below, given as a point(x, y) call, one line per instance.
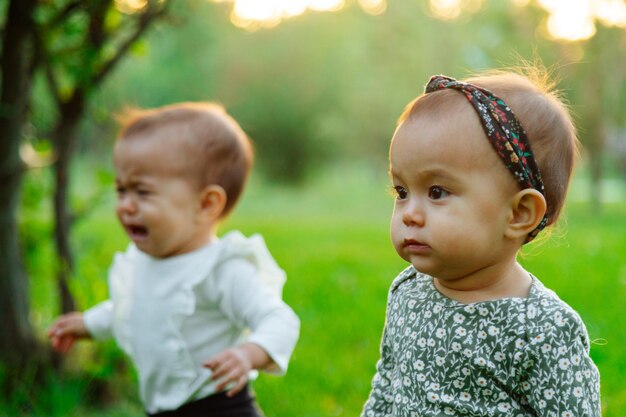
point(254, 249)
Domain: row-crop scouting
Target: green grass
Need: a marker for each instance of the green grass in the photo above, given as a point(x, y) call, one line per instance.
point(332, 239)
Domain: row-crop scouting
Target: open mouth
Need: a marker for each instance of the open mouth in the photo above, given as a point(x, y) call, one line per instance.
point(137, 233)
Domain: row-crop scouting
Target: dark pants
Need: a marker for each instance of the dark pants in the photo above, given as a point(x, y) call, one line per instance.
point(217, 405)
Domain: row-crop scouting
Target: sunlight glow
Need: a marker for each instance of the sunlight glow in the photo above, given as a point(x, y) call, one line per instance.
point(36, 159)
point(574, 20)
point(135, 6)
point(445, 9)
point(452, 9)
point(326, 5)
point(612, 13)
point(373, 7)
point(571, 20)
point(256, 14)
point(130, 6)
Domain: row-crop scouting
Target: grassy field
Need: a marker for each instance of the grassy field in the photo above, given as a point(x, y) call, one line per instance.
point(332, 239)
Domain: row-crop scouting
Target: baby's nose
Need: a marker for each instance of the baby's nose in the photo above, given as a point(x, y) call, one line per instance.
point(126, 203)
point(413, 215)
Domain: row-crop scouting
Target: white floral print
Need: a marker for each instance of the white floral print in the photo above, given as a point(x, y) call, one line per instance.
point(518, 357)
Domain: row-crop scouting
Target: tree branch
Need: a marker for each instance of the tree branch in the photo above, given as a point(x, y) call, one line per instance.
point(42, 59)
point(64, 13)
point(144, 22)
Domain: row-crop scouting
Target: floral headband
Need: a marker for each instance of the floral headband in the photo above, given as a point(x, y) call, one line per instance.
point(504, 131)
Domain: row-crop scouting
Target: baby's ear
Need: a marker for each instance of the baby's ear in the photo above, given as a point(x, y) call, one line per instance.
point(212, 202)
point(528, 207)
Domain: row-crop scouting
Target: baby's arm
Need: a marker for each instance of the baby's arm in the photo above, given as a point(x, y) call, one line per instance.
point(380, 400)
point(233, 366)
point(96, 323)
point(274, 327)
point(561, 377)
point(66, 330)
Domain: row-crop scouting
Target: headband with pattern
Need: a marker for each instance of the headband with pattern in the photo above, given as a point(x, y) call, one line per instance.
point(504, 131)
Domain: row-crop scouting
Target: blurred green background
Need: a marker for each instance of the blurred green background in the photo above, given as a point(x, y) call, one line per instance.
point(319, 94)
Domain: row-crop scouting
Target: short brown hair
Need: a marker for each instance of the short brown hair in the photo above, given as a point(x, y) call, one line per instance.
point(540, 111)
point(218, 150)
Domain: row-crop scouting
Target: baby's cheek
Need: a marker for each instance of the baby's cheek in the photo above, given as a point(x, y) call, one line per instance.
point(396, 240)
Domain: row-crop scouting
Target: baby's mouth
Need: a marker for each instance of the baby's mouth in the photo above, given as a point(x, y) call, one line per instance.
point(137, 232)
point(415, 246)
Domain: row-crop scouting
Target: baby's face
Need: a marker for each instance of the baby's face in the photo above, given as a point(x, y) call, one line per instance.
point(156, 203)
point(453, 196)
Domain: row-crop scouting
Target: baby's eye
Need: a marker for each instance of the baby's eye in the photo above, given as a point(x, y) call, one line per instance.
point(400, 192)
point(435, 192)
point(120, 190)
point(143, 192)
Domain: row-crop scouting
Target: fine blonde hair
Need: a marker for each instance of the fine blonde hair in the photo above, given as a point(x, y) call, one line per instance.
point(216, 149)
point(540, 110)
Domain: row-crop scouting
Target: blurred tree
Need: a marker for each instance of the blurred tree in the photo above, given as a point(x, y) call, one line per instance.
point(17, 340)
point(283, 135)
point(76, 44)
point(600, 100)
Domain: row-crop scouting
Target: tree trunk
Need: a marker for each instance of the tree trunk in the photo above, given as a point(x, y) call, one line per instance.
point(69, 117)
point(17, 339)
point(595, 146)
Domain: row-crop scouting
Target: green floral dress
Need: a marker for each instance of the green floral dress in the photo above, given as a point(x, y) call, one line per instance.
point(508, 357)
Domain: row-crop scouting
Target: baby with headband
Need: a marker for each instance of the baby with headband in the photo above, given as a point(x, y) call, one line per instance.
point(469, 331)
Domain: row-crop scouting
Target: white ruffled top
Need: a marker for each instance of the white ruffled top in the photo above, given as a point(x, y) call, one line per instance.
point(171, 315)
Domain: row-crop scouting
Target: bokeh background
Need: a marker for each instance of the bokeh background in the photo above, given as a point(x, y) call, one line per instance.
point(318, 85)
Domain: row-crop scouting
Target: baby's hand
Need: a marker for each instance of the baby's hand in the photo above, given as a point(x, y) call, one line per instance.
point(230, 366)
point(66, 330)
